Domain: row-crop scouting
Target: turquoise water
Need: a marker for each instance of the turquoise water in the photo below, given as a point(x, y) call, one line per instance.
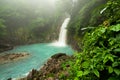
point(39, 53)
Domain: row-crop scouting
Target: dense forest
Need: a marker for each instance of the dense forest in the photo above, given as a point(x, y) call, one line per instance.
point(25, 22)
point(93, 31)
point(85, 15)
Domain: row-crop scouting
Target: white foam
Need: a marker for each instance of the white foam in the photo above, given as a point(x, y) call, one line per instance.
point(58, 44)
point(62, 35)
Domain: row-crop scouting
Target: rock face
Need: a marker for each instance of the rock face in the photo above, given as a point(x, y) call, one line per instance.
point(12, 57)
point(51, 70)
point(5, 47)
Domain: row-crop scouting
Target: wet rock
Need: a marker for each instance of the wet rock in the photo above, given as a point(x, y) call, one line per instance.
point(58, 55)
point(51, 70)
point(9, 79)
point(5, 47)
point(8, 57)
point(32, 74)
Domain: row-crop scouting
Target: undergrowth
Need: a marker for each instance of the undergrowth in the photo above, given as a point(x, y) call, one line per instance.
point(100, 58)
point(100, 55)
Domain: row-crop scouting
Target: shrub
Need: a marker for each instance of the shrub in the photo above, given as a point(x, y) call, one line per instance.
point(100, 58)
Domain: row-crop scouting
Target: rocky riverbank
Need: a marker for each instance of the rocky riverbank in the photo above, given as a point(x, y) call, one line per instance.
point(9, 57)
point(5, 47)
point(52, 70)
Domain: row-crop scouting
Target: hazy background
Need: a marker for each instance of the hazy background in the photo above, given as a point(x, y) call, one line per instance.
point(31, 21)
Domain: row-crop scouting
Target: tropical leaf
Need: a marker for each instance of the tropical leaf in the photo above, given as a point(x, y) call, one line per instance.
point(117, 50)
point(110, 69)
point(117, 71)
point(115, 28)
point(86, 72)
point(114, 64)
point(85, 64)
point(96, 72)
point(79, 73)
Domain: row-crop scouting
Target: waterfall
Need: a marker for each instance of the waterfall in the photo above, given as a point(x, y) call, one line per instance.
point(63, 34)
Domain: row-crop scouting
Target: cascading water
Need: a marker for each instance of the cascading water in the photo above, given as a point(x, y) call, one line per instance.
point(63, 33)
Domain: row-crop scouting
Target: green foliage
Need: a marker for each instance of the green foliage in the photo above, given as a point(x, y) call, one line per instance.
point(92, 13)
point(2, 28)
point(112, 11)
point(23, 34)
point(85, 14)
point(100, 58)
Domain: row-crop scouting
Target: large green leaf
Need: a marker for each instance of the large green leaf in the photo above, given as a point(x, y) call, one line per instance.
point(85, 64)
point(79, 73)
point(117, 71)
point(112, 78)
point(111, 58)
point(115, 28)
point(102, 30)
point(86, 72)
point(114, 64)
point(76, 78)
point(105, 59)
point(110, 69)
point(96, 72)
point(117, 50)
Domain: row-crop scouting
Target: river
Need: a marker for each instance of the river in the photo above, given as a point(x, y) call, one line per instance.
point(39, 54)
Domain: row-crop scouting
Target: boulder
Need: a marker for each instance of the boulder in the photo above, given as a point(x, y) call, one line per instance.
point(51, 70)
point(9, 57)
point(58, 55)
point(9, 79)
